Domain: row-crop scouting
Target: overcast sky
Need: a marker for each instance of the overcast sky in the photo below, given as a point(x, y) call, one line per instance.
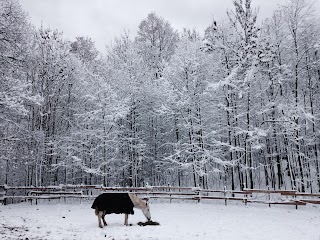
point(102, 20)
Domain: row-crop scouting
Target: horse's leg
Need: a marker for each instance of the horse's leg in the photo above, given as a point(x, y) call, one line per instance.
point(100, 214)
point(126, 219)
point(103, 215)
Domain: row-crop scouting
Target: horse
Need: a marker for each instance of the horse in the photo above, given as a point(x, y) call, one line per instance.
point(107, 203)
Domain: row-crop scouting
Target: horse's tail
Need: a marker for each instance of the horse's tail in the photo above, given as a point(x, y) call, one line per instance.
point(96, 211)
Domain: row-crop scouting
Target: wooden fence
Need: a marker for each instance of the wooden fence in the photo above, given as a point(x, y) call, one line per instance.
point(9, 194)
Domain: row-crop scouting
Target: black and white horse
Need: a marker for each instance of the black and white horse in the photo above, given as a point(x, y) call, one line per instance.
point(108, 203)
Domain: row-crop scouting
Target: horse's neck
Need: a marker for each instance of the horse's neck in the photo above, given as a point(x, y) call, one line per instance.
point(137, 202)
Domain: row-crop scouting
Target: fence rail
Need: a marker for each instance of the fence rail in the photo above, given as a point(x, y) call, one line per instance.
point(13, 194)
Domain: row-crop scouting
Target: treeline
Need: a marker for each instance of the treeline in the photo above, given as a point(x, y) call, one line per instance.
point(237, 106)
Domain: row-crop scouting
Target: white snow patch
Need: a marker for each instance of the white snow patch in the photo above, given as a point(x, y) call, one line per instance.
point(184, 220)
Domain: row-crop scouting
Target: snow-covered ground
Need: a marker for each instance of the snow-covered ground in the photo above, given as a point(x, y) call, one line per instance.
point(183, 221)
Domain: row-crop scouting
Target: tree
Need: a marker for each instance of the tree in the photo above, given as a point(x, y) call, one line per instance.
point(188, 75)
point(84, 48)
point(15, 91)
point(157, 41)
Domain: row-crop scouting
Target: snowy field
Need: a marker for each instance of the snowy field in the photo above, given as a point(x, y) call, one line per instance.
point(183, 221)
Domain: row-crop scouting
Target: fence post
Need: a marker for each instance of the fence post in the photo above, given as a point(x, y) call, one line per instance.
point(225, 195)
point(199, 195)
point(295, 197)
point(246, 199)
point(3, 193)
point(269, 197)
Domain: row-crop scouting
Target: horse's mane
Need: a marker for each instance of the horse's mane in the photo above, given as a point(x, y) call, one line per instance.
point(137, 202)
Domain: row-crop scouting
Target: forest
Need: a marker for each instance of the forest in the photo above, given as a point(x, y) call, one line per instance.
point(236, 106)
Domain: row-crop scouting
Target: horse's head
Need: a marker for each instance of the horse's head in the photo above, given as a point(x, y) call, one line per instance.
point(146, 211)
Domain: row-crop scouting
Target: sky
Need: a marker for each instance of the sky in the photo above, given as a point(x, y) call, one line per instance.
point(103, 20)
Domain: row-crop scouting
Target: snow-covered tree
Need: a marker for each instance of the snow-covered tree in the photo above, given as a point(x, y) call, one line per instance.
point(15, 91)
point(156, 41)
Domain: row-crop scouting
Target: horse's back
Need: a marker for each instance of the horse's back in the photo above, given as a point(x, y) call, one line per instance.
point(113, 203)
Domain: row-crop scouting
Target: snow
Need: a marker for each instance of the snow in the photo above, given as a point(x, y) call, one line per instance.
point(184, 220)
